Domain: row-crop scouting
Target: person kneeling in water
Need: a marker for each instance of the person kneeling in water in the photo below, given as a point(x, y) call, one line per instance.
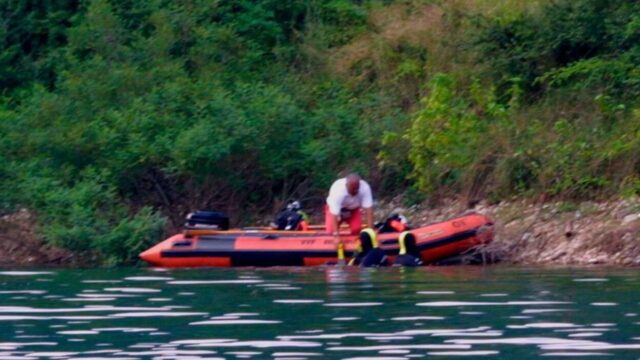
point(370, 253)
point(409, 255)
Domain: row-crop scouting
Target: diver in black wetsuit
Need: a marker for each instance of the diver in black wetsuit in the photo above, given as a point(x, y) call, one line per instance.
point(409, 255)
point(370, 253)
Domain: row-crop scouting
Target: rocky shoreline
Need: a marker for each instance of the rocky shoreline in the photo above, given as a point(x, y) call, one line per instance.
point(552, 233)
point(605, 233)
point(20, 245)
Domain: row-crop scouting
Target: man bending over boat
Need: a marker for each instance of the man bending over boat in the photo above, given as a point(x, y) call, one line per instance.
point(347, 198)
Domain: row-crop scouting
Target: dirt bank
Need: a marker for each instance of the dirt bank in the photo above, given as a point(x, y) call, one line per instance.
point(550, 233)
point(21, 246)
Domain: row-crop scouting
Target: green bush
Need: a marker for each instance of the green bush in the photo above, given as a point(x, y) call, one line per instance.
point(453, 137)
point(583, 45)
point(88, 219)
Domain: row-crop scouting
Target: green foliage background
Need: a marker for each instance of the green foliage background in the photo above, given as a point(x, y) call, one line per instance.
point(117, 117)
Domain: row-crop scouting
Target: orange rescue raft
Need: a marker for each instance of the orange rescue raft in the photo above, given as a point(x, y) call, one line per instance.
point(195, 248)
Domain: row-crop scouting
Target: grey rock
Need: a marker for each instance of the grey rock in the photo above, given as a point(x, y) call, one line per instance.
point(630, 218)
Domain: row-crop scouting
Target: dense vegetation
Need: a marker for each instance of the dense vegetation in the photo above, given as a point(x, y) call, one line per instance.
point(117, 116)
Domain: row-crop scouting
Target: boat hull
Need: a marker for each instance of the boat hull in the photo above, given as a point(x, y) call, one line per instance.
point(198, 248)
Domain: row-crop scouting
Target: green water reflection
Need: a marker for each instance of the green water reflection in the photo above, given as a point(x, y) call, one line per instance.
point(320, 313)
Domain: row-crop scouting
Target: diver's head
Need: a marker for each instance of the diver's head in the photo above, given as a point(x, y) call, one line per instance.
point(368, 239)
point(407, 243)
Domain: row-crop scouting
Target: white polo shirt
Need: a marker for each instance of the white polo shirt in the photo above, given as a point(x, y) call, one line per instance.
point(339, 197)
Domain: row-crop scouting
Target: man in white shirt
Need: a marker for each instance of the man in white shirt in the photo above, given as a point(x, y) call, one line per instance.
point(347, 198)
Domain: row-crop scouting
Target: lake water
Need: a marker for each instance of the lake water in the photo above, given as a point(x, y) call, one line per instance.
point(320, 313)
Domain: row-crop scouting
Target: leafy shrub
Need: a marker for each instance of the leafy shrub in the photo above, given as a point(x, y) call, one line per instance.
point(88, 219)
point(582, 45)
point(453, 139)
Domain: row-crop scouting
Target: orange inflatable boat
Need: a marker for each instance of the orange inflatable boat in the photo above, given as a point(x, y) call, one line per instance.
point(244, 247)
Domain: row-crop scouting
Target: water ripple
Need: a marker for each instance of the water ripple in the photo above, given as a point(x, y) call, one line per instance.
point(16, 345)
point(388, 338)
point(235, 322)
point(586, 334)
point(100, 295)
point(26, 273)
point(297, 301)
point(28, 292)
point(96, 299)
point(50, 354)
point(481, 303)
point(463, 353)
point(88, 308)
point(133, 290)
point(167, 352)
point(547, 343)
point(580, 354)
point(543, 311)
point(399, 346)
point(286, 354)
point(214, 282)
point(256, 344)
point(345, 318)
point(417, 318)
point(589, 345)
point(543, 325)
point(125, 329)
point(28, 317)
point(148, 278)
point(413, 332)
point(78, 332)
point(353, 304)
point(155, 314)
